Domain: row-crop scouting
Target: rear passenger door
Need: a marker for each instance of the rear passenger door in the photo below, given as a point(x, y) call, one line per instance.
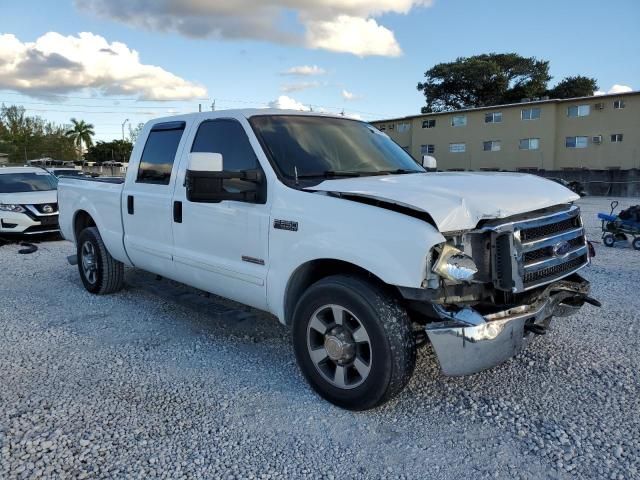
point(146, 203)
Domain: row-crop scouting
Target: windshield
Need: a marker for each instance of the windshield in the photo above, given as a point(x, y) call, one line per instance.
point(27, 182)
point(68, 173)
point(324, 147)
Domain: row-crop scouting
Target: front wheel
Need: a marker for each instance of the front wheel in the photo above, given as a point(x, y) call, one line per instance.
point(99, 271)
point(353, 342)
point(636, 243)
point(609, 240)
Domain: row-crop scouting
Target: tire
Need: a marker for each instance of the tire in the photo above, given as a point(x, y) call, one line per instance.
point(361, 369)
point(636, 243)
point(609, 240)
point(100, 273)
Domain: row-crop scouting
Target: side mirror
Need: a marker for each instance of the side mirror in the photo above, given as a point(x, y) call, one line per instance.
point(205, 176)
point(429, 163)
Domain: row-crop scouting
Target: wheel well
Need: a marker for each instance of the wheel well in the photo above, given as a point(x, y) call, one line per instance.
point(310, 272)
point(82, 220)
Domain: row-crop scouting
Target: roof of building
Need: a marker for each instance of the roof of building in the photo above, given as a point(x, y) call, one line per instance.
point(509, 105)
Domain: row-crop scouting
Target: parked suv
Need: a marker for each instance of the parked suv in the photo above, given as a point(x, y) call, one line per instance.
point(28, 201)
point(329, 225)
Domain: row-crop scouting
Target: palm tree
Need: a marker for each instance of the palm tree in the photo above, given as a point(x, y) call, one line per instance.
point(81, 134)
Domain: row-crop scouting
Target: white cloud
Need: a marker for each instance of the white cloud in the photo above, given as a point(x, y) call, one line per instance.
point(305, 70)
point(284, 102)
point(296, 87)
point(55, 63)
point(615, 89)
point(336, 25)
point(347, 95)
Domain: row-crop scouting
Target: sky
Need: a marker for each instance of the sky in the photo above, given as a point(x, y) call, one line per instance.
point(107, 61)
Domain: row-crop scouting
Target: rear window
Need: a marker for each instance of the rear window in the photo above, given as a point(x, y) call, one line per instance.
point(27, 182)
point(160, 153)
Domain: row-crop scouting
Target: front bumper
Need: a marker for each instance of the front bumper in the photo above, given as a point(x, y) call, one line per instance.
point(467, 342)
point(21, 223)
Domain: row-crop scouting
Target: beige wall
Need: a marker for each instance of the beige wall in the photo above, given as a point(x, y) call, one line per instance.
point(551, 128)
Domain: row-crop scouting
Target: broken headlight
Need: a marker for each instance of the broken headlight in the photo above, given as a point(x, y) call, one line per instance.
point(455, 265)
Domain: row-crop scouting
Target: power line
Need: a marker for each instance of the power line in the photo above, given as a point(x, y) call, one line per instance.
point(168, 107)
point(111, 99)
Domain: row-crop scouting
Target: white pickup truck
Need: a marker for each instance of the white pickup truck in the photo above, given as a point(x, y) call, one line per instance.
point(333, 228)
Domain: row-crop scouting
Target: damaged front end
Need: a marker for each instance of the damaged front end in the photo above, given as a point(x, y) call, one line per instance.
point(525, 274)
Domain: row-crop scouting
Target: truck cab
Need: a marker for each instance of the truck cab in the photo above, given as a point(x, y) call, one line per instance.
point(330, 226)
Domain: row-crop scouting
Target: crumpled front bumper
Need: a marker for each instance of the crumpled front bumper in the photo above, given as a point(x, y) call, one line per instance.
point(467, 342)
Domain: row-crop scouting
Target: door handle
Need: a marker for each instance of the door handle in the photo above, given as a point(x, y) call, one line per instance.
point(177, 212)
point(130, 204)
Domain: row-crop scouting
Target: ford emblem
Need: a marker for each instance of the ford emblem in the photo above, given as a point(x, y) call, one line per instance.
point(561, 248)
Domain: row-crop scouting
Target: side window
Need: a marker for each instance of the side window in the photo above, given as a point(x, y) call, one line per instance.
point(159, 153)
point(228, 138)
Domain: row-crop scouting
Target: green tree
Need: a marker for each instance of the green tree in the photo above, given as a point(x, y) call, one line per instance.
point(81, 134)
point(571, 87)
point(116, 150)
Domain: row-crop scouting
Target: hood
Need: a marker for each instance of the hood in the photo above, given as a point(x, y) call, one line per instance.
point(457, 200)
point(30, 198)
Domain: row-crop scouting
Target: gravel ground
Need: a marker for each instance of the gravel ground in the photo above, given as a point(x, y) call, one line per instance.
point(163, 381)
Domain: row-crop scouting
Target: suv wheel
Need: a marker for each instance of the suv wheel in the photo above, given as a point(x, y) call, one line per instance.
point(353, 342)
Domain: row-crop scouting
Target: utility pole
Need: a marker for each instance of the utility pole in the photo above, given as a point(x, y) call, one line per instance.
point(200, 107)
point(213, 105)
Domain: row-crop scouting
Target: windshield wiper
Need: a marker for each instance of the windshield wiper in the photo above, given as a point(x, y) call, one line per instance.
point(399, 171)
point(330, 174)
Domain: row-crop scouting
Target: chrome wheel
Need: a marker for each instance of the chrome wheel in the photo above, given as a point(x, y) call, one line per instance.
point(89, 264)
point(339, 346)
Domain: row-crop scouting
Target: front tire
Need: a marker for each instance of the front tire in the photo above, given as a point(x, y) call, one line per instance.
point(100, 273)
point(636, 243)
point(353, 342)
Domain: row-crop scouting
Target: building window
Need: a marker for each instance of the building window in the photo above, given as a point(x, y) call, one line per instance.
point(458, 121)
point(618, 104)
point(529, 144)
point(457, 147)
point(403, 127)
point(577, 142)
point(429, 149)
point(578, 111)
point(530, 114)
point(491, 146)
point(392, 126)
point(616, 137)
point(493, 117)
point(431, 123)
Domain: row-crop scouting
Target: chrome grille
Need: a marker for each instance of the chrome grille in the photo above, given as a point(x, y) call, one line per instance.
point(535, 250)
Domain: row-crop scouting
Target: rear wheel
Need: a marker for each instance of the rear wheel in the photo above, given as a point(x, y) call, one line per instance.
point(99, 271)
point(353, 342)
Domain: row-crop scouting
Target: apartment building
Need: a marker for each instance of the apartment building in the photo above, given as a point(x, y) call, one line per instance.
point(595, 133)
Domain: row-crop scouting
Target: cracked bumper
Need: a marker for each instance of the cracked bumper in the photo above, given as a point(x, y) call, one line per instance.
point(467, 342)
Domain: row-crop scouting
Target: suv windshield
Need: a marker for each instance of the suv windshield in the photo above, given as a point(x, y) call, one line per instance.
point(306, 146)
point(27, 182)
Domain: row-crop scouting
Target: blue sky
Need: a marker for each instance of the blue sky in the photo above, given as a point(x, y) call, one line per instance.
point(245, 69)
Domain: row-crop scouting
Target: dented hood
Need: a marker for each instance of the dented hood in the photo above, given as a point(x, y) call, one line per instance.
point(457, 200)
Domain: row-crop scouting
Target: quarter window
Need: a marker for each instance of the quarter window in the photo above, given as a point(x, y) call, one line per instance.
point(457, 147)
point(616, 137)
point(458, 121)
point(493, 117)
point(431, 123)
point(618, 104)
point(530, 114)
point(491, 146)
point(228, 138)
point(428, 149)
point(577, 142)
point(529, 144)
point(578, 110)
point(159, 153)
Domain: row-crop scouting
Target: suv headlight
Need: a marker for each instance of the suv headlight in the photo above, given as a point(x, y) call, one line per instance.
point(10, 207)
point(455, 265)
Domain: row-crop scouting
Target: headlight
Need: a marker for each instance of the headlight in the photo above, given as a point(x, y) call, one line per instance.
point(10, 207)
point(454, 264)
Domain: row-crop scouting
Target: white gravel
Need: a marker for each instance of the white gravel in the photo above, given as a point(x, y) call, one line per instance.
point(163, 381)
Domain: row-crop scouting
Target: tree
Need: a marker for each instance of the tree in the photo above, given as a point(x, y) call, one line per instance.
point(116, 150)
point(483, 80)
point(134, 133)
point(81, 134)
point(571, 87)
point(24, 137)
